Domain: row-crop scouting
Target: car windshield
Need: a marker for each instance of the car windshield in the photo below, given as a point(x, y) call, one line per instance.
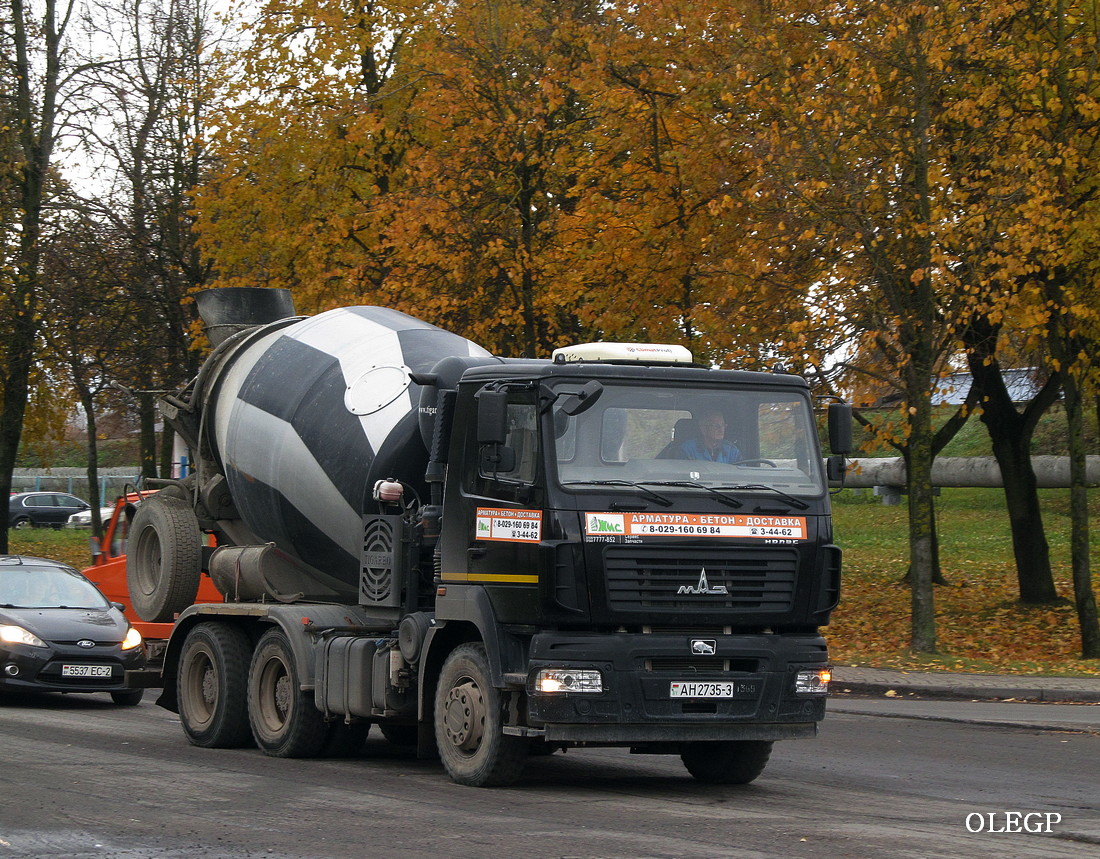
point(666, 439)
point(29, 586)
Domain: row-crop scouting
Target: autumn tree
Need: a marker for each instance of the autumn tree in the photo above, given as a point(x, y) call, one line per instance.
point(88, 344)
point(845, 103)
point(152, 99)
point(655, 234)
point(525, 173)
point(313, 129)
point(35, 69)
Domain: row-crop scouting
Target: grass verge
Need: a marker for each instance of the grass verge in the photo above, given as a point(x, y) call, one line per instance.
point(981, 625)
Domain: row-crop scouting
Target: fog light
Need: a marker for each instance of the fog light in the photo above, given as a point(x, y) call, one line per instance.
point(566, 680)
point(11, 669)
point(814, 682)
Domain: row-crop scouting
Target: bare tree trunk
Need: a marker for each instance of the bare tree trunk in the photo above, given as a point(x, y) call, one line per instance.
point(922, 554)
point(1084, 597)
point(148, 433)
point(1010, 433)
point(93, 463)
point(34, 115)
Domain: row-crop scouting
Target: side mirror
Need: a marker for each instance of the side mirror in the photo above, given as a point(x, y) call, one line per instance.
point(492, 417)
point(836, 468)
point(840, 428)
point(498, 458)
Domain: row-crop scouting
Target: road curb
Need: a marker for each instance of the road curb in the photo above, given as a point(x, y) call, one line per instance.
point(857, 680)
point(966, 692)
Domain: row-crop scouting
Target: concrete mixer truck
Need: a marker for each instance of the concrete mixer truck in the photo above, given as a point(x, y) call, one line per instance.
point(488, 558)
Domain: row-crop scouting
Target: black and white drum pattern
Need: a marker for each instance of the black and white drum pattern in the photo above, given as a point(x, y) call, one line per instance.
point(308, 417)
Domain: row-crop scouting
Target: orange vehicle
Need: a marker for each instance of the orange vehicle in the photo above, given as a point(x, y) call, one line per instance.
point(108, 572)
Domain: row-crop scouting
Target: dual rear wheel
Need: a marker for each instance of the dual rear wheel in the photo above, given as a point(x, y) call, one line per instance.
point(231, 695)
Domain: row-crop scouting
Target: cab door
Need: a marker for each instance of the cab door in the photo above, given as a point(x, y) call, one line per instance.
point(495, 540)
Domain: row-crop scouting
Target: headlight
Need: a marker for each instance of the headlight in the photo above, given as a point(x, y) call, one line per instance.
point(132, 639)
point(566, 680)
point(814, 682)
point(18, 635)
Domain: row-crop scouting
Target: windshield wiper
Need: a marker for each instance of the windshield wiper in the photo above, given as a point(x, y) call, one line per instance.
point(648, 493)
point(797, 503)
point(692, 484)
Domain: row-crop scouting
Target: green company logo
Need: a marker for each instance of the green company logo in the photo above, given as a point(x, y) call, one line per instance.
point(596, 525)
point(482, 525)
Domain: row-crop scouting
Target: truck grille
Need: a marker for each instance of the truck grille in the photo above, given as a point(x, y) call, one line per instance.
point(641, 578)
point(380, 563)
point(701, 664)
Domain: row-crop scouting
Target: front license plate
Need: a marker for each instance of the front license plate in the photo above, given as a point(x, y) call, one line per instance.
point(695, 689)
point(85, 670)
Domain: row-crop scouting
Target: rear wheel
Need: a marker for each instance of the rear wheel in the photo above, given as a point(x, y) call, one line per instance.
point(212, 685)
point(165, 558)
point(727, 762)
point(284, 721)
point(469, 723)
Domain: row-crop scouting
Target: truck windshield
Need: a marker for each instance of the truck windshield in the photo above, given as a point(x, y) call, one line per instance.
point(687, 439)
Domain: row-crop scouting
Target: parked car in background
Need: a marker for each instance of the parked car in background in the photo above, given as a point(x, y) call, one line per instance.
point(37, 509)
point(59, 633)
point(83, 519)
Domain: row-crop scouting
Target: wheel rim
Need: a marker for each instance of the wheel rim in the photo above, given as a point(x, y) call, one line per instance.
point(464, 716)
point(274, 695)
point(148, 556)
point(201, 682)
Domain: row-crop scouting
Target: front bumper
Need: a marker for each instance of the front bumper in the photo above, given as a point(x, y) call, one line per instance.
point(636, 705)
point(40, 668)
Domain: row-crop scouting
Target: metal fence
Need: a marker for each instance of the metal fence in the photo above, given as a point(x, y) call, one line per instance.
point(110, 485)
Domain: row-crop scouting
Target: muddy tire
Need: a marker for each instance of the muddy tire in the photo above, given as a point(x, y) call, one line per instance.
point(285, 723)
point(212, 684)
point(469, 723)
point(729, 762)
point(164, 559)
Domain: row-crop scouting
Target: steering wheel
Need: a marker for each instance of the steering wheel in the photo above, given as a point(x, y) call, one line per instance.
point(766, 462)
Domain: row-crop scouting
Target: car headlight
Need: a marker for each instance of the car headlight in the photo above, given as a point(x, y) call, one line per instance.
point(17, 635)
point(132, 639)
point(568, 680)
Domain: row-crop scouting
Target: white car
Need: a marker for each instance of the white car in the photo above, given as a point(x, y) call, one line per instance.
point(83, 519)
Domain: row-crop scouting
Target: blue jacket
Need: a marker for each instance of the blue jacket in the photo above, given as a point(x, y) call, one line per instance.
point(693, 448)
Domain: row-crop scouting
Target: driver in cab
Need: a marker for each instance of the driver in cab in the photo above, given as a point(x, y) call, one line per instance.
point(712, 443)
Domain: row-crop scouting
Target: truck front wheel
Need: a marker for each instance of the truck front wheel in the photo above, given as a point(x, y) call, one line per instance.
point(284, 722)
point(211, 684)
point(469, 723)
point(729, 762)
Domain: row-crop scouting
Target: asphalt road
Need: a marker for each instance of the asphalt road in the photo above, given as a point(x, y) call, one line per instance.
point(80, 777)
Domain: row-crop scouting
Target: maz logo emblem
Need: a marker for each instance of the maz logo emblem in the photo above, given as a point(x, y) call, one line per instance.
point(703, 587)
point(705, 646)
